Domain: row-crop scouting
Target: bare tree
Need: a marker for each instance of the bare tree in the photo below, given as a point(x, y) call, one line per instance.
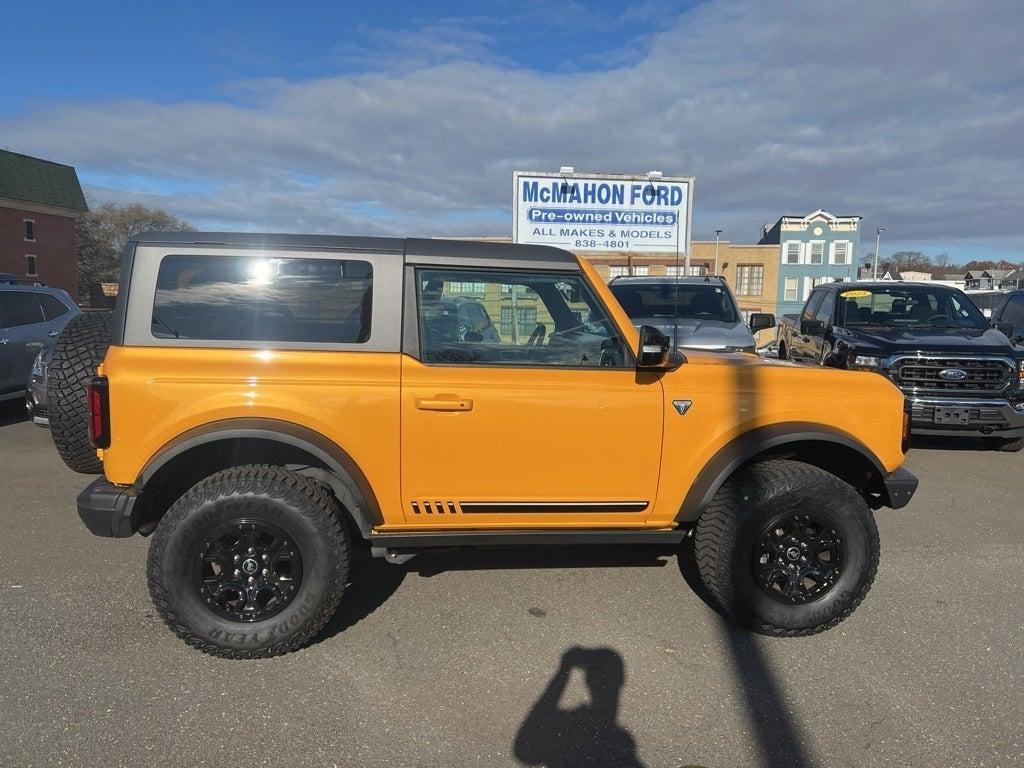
point(102, 234)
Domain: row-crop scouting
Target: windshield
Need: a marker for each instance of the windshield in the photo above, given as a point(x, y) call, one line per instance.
point(696, 302)
point(908, 306)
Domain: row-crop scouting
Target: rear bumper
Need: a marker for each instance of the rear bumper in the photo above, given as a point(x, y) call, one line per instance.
point(899, 489)
point(108, 509)
point(999, 418)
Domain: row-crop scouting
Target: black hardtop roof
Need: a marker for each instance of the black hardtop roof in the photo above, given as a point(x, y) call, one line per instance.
point(416, 250)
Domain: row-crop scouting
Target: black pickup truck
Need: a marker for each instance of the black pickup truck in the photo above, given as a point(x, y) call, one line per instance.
point(960, 374)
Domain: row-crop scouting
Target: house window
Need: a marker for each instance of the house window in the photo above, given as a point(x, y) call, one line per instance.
point(618, 271)
point(30, 230)
point(457, 287)
point(792, 253)
point(749, 280)
point(790, 289)
point(841, 252)
point(643, 271)
point(527, 317)
point(816, 281)
point(698, 270)
point(31, 269)
point(817, 253)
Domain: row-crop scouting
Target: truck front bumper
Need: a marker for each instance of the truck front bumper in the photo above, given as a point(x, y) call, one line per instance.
point(999, 418)
point(108, 509)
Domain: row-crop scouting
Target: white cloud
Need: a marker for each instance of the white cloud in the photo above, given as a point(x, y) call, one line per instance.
point(909, 114)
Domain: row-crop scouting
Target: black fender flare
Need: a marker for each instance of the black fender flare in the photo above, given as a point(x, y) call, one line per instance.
point(743, 448)
point(352, 487)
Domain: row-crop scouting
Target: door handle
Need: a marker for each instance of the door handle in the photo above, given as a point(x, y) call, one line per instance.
point(444, 404)
point(5, 341)
point(53, 334)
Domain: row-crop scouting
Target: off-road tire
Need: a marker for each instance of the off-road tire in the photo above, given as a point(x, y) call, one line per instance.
point(297, 505)
point(728, 531)
point(79, 350)
point(1009, 445)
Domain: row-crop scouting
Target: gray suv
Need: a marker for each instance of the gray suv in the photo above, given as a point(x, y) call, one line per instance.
point(31, 318)
point(705, 315)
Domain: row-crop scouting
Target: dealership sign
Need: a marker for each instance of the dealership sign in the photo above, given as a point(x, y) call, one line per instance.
point(602, 212)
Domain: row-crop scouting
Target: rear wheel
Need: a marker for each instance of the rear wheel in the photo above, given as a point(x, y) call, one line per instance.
point(787, 549)
point(251, 562)
point(79, 350)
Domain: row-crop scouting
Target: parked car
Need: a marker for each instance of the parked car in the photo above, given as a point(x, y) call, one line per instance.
point(263, 398)
point(695, 312)
point(960, 375)
point(1009, 315)
point(35, 393)
point(32, 315)
point(769, 350)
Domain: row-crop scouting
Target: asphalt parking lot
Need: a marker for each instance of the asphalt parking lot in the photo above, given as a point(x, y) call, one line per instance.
point(558, 657)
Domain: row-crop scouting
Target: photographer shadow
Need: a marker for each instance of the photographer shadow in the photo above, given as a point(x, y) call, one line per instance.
point(585, 735)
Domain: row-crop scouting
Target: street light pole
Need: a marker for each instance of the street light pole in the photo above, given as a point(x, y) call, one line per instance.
point(718, 233)
point(878, 241)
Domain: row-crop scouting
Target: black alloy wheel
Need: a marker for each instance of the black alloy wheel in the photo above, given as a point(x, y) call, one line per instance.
point(798, 558)
point(248, 570)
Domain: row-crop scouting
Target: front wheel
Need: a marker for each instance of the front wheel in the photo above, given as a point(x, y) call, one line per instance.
point(787, 549)
point(1010, 445)
point(251, 562)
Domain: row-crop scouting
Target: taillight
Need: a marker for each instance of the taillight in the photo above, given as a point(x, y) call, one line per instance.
point(97, 394)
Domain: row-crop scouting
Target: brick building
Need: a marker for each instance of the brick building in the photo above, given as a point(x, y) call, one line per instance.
point(40, 201)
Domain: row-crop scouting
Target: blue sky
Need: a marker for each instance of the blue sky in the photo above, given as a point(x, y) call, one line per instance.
point(409, 118)
point(165, 53)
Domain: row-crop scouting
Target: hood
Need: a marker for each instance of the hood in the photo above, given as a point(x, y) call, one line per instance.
point(702, 334)
point(889, 341)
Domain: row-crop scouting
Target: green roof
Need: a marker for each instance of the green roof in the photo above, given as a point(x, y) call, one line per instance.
point(40, 181)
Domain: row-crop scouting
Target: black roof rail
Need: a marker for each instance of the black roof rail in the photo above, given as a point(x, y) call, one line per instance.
point(4, 280)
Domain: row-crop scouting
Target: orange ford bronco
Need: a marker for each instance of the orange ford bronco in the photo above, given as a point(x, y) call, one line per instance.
point(257, 402)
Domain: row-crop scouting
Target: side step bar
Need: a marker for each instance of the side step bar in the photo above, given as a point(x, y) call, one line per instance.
point(395, 546)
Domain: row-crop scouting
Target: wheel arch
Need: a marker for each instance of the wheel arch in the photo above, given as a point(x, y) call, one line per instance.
point(830, 449)
point(201, 451)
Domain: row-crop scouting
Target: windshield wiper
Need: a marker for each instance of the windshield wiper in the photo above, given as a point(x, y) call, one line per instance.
point(165, 325)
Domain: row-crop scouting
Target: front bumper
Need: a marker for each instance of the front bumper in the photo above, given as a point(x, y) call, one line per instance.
point(108, 509)
point(1000, 418)
point(899, 489)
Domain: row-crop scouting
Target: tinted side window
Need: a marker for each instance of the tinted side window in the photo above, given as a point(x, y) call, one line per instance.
point(812, 305)
point(252, 298)
point(1013, 312)
point(543, 319)
point(824, 311)
point(19, 308)
point(52, 306)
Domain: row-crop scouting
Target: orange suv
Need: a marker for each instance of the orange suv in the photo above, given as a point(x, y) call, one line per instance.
point(260, 402)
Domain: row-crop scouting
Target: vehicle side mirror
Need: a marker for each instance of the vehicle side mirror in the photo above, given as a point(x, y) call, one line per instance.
point(1005, 328)
point(759, 321)
point(812, 327)
point(655, 350)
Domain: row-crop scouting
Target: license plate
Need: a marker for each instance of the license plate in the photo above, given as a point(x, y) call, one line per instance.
point(952, 415)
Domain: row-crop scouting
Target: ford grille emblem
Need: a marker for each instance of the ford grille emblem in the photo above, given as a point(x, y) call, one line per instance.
point(953, 374)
